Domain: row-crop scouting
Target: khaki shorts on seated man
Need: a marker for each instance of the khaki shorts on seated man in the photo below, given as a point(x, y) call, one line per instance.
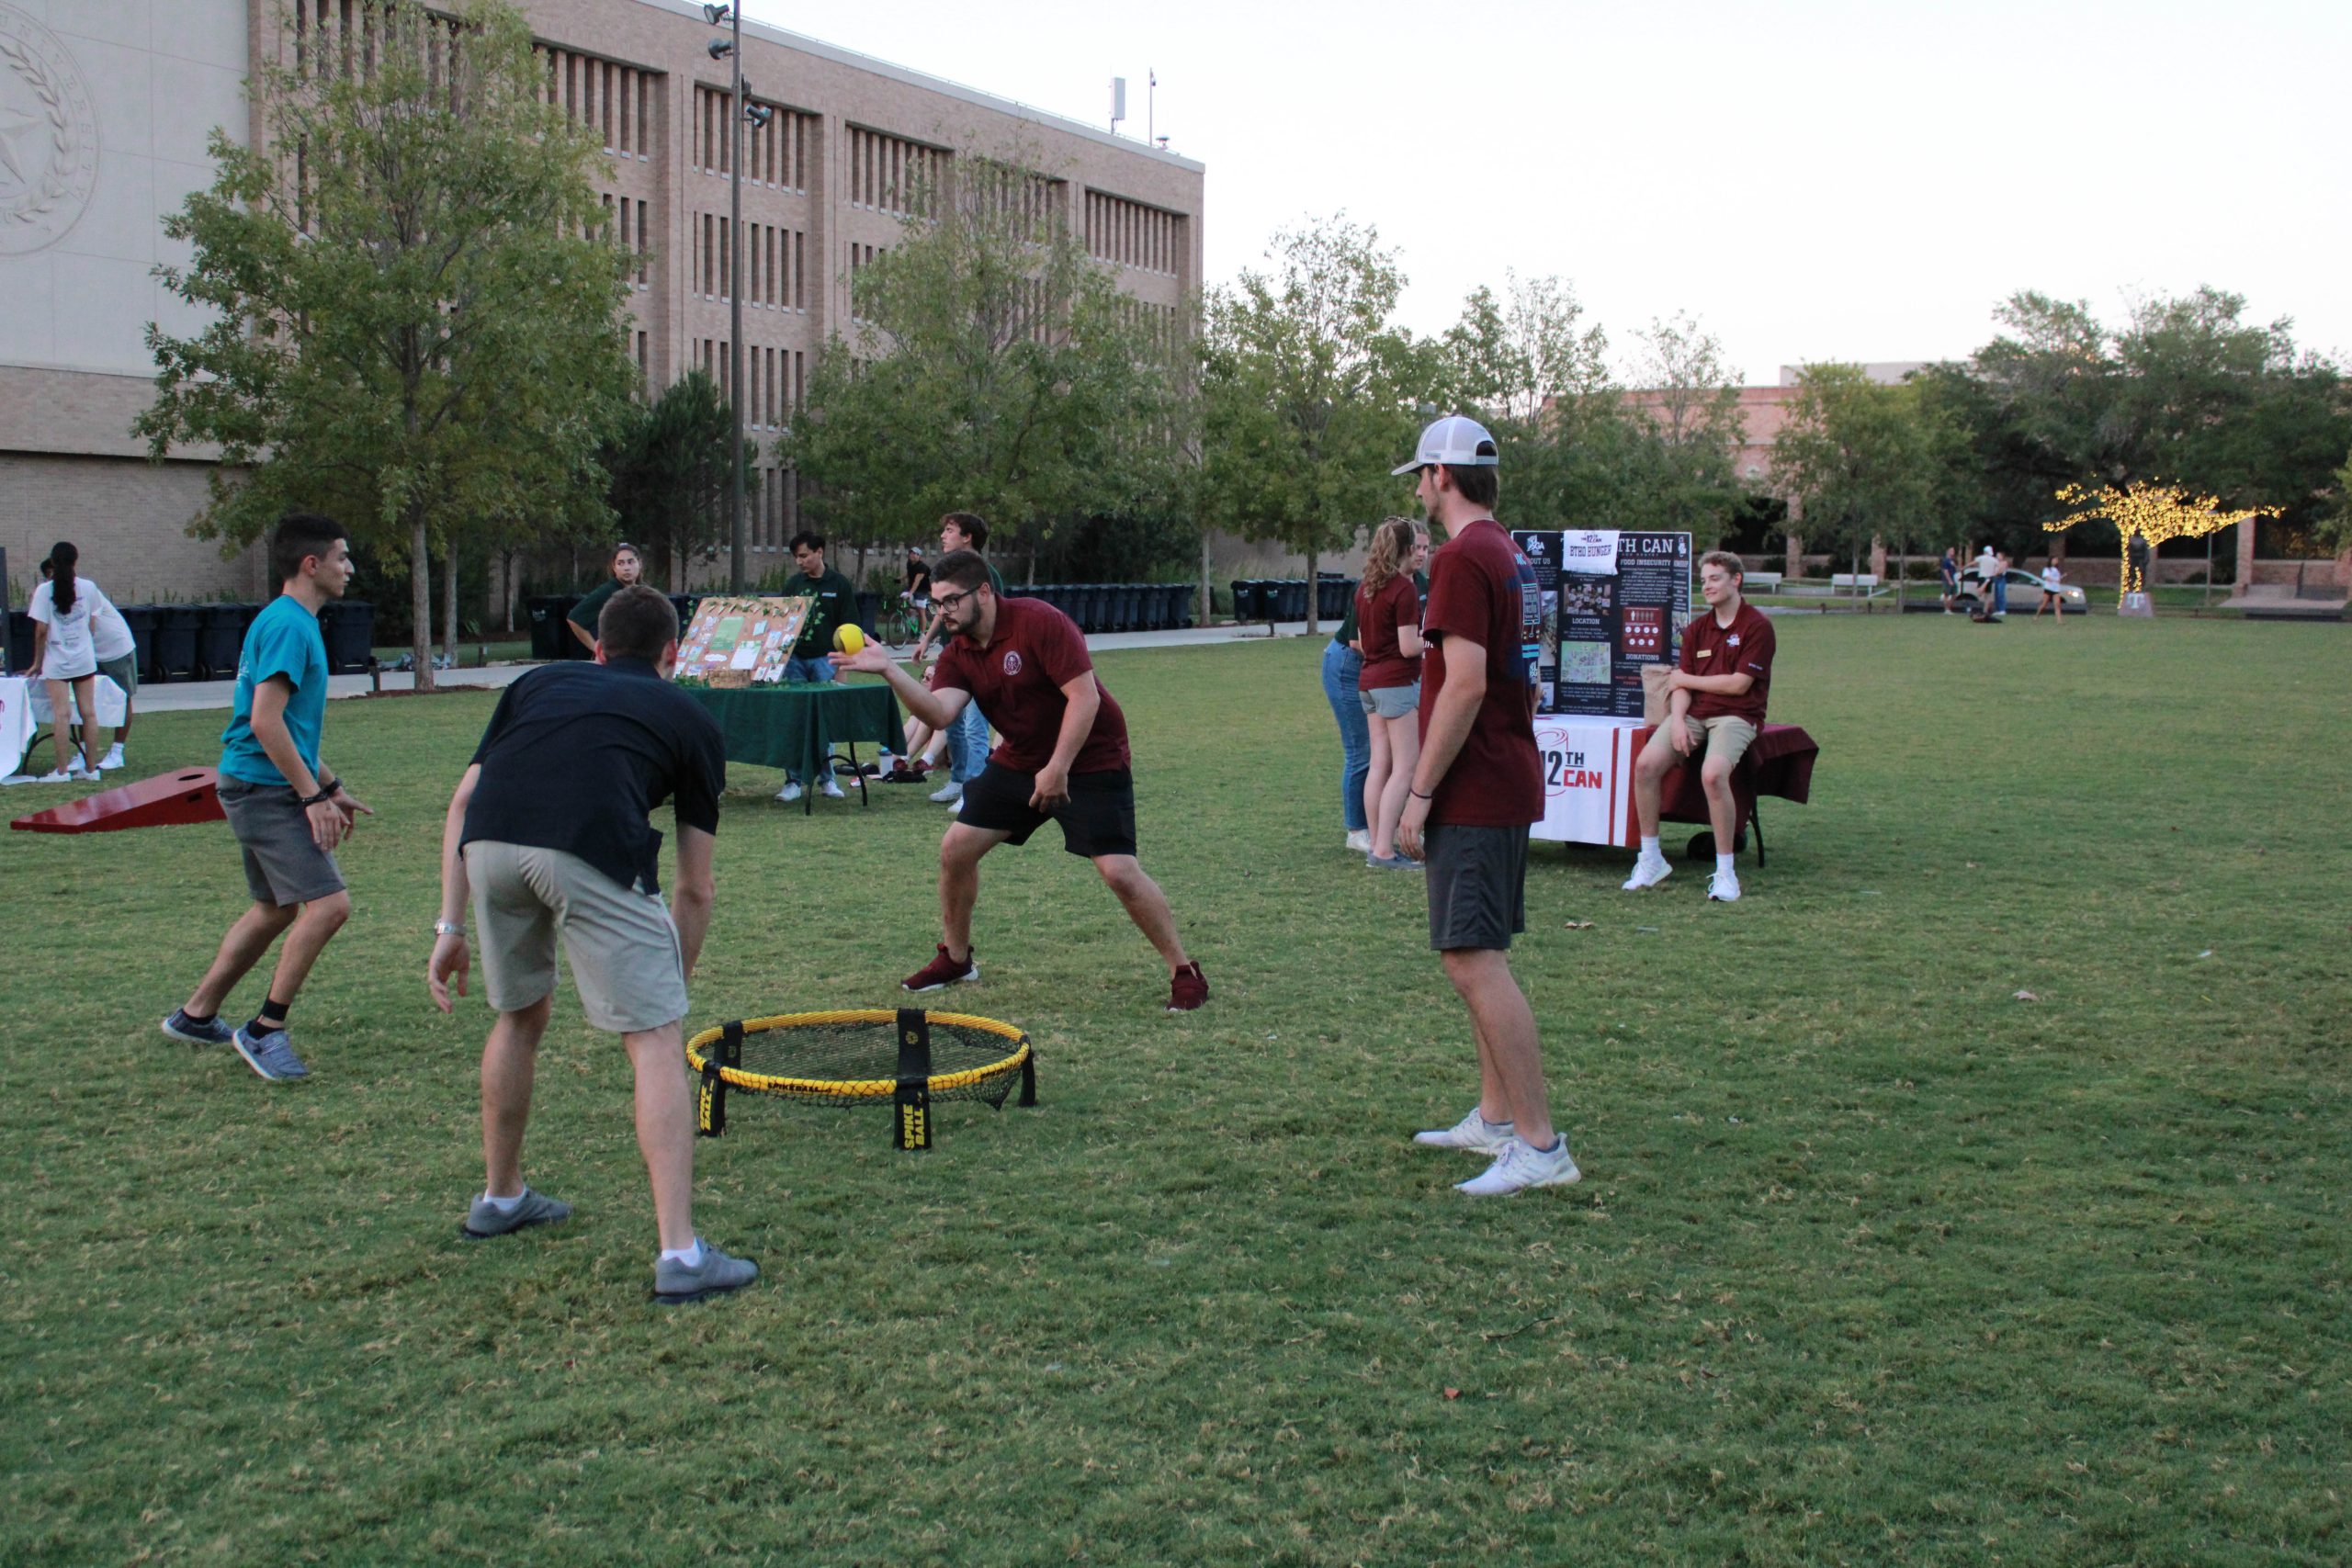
point(547, 837)
point(1714, 708)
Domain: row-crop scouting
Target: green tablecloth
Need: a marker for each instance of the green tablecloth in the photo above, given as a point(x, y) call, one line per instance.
point(796, 727)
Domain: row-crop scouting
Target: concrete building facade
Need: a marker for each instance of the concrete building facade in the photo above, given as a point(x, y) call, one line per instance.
point(105, 111)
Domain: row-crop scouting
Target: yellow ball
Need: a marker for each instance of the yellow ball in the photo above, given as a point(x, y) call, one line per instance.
point(848, 640)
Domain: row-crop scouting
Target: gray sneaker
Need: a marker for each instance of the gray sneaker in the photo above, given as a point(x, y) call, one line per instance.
point(212, 1031)
point(272, 1056)
point(486, 1219)
point(673, 1282)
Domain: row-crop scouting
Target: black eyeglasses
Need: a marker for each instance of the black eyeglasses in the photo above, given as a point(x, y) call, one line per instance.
point(949, 600)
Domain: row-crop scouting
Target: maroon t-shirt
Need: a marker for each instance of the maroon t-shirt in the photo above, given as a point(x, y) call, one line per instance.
point(1018, 681)
point(1399, 603)
point(1743, 648)
point(1483, 590)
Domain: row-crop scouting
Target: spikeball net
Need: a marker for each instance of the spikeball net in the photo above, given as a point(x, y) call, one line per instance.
point(908, 1058)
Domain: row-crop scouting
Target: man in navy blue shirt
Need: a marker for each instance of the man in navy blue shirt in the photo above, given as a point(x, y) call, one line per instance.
point(547, 836)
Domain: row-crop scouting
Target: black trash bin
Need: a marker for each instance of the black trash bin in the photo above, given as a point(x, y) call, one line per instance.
point(1245, 600)
point(547, 624)
point(141, 619)
point(1331, 594)
point(20, 642)
point(349, 628)
point(869, 614)
point(1185, 607)
point(176, 627)
point(220, 639)
point(1290, 603)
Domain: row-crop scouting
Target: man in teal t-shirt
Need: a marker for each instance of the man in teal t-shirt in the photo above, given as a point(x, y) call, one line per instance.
point(833, 605)
point(285, 808)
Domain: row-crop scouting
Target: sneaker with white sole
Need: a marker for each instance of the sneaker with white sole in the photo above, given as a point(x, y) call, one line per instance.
point(112, 760)
point(54, 775)
point(1648, 872)
point(1518, 1168)
point(1473, 1133)
point(1723, 887)
point(209, 1032)
point(789, 792)
point(1360, 841)
point(950, 793)
point(271, 1054)
point(944, 971)
point(82, 772)
point(830, 789)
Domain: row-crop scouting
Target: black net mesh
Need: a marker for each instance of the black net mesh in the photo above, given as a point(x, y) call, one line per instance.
point(853, 1060)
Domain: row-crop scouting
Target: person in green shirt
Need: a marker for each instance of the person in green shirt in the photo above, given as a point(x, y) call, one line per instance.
point(628, 566)
point(833, 605)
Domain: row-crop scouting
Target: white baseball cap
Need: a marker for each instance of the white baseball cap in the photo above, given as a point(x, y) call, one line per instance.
point(1455, 441)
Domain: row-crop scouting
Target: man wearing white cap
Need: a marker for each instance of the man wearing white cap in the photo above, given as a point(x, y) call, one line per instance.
point(1476, 787)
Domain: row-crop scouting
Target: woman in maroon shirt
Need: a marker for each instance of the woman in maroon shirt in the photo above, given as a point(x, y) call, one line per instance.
point(1388, 634)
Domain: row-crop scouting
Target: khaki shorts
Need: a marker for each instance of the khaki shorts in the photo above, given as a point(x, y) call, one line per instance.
point(1723, 737)
point(622, 945)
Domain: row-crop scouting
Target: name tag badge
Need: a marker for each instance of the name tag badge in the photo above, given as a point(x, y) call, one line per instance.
point(1706, 653)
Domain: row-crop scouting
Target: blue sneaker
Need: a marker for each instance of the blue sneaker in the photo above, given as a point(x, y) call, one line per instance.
point(212, 1031)
point(272, 1056)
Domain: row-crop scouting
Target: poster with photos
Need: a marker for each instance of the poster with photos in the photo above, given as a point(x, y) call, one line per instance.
point(1614, 602)
point(740, 642)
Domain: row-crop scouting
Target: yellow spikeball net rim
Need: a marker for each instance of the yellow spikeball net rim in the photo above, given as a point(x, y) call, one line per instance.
point(854, 1088)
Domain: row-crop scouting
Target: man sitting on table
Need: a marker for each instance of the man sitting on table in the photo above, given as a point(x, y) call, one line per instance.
point(1714, 708)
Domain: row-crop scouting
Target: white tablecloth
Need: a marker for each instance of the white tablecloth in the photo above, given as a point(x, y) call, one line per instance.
point(24, 711)
point(1588, 779)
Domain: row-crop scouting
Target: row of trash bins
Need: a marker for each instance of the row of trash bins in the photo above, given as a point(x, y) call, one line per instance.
point(1284, 598)
point(1095, 606)
point(201, 642)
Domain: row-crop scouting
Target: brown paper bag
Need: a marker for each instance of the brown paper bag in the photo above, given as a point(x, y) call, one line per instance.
point(1654, 679)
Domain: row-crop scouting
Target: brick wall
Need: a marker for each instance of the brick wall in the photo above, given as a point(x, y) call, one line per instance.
point(130, 520)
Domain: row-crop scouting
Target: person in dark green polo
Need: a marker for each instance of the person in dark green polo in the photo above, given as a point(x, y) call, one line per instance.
point(834, 607)
point(628, 566)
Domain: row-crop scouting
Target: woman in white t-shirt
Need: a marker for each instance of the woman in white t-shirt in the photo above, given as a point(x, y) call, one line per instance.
point(65, 655)
point(2051, 600)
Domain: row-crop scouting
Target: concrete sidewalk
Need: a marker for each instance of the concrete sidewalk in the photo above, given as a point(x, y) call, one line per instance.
point(186, 696)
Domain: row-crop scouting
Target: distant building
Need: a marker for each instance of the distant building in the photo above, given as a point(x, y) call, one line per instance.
point(103, 114)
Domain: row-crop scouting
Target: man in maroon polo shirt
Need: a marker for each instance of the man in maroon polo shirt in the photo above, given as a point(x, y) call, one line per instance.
point(1064, 758)
point(1476, 787)
point(1714, 711)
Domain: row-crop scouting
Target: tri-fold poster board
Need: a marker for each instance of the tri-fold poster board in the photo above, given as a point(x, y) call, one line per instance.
point(740, 642)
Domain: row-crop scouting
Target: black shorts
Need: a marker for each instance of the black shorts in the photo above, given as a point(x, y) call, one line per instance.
point(1099, 818)
point(1477, 879)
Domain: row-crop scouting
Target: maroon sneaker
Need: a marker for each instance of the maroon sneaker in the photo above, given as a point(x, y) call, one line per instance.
point(944, 971)
point(1188, 991)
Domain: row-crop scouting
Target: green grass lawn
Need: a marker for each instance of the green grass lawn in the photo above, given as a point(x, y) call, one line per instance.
point(1873, 1262)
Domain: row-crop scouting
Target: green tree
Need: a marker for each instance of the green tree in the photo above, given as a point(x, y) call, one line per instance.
point(416, 318)
point(993, 367)
point(1869, 461)
point(666, 471)
point(1308, 392)
point(1686, 480)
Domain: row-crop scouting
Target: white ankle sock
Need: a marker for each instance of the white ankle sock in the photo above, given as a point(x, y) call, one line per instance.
point(1649, 846)
point(690, 1256)
point(505, 1205)
point(1725, 866)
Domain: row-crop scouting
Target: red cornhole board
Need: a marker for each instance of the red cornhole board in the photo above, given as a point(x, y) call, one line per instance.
point(165, 801)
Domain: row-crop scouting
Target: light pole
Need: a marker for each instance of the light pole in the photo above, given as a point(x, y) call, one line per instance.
point(737, 530)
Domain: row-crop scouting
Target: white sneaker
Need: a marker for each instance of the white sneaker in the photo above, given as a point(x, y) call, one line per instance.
point(113, 759)
point(830, 789)
point(56, 775)
point(948, 794)
point(82, 772)
point(1473, 1133)
point(790, 792)
point(1648, 872)
point(1518, 1168)
point(1723, 887)
point(1360, 841)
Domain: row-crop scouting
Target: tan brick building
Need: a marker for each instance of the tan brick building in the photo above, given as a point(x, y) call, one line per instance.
point(142, 82)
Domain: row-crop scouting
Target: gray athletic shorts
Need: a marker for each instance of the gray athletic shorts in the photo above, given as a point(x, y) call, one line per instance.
point(1477, 880)
point(1390, 702)
point(625, 962)
point(123, 673)
point(283, 863)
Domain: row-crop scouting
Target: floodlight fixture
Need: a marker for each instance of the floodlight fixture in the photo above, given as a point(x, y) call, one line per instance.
point(720, 48)
point(715, 13)
point(758, 115)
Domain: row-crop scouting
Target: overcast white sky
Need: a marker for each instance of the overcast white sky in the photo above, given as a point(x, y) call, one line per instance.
point(1812, 179)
